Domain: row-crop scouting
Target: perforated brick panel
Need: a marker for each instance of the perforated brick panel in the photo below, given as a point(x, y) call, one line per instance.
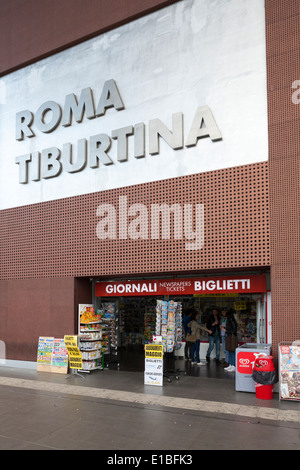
point(283, 68)
point(58, 238)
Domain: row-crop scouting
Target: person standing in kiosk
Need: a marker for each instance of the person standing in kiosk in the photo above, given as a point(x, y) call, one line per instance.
point(188, 345)
point(223, 320)
point(231, 331)
point(196, 329)
point(213, 324)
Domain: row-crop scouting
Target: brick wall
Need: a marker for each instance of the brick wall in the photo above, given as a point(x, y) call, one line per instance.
point(283, 67)
point(58, 238)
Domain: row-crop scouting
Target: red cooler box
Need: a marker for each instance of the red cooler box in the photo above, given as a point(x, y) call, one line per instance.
point(246, 355)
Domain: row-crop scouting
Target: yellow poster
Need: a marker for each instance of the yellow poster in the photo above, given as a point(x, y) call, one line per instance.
point(75, 357)
point(241, 305)
point(154, 351)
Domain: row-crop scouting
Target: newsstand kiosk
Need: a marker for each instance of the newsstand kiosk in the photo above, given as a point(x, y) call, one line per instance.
point(246, 354)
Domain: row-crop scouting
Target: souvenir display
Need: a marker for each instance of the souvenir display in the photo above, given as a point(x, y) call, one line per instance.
point(178, 325)
point(169, 324)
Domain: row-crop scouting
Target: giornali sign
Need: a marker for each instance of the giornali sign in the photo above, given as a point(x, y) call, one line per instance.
point(224, 285)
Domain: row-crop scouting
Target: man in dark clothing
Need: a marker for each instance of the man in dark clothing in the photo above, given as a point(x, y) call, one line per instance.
point(186, 320)
point(213, 324)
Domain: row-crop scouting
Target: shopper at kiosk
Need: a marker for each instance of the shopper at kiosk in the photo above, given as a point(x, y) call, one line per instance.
point(188, 345)
point(196, 331)
point(213, 324)
point(223, 320)
point(231, 330)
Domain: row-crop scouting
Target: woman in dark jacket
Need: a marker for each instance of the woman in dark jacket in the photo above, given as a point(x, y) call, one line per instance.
point(230, 329)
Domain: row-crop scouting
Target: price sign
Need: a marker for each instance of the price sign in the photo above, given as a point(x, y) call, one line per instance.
point(75, 356)
point(45, 348)
point(154, 364)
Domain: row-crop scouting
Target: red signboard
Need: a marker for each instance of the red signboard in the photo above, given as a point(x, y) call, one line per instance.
point(206, 285)
point(246, 359)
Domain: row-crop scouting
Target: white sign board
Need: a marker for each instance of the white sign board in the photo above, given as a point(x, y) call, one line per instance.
point(153, 374)
point(177, 92)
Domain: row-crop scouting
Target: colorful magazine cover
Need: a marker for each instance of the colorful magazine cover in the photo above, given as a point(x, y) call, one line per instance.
point(289, 363)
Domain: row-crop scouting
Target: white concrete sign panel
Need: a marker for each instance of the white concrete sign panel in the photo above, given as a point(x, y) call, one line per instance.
point(178, 92)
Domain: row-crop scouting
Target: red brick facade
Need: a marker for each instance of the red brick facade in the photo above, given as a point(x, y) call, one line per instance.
point(251, 211)
point(283, 68)
point(58, 238)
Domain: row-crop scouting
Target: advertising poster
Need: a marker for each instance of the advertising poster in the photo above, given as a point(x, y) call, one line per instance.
point(52, 355)
point(59, 353)
point(45, 348)
point(289, 371)
point(75, 356)
point(153, 364)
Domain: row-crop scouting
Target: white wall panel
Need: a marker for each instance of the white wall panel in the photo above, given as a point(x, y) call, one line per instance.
point(191, 54)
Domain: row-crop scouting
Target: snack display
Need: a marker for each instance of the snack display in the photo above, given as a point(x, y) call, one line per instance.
point(95, 326)
point(89, 355)
point(90, 365)
point(90, 345)
point(90, 335)
point(88, 317)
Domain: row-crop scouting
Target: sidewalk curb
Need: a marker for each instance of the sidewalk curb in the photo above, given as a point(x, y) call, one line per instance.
point(154, 400)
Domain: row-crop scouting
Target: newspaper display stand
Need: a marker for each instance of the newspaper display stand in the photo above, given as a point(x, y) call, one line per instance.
point(289, 370)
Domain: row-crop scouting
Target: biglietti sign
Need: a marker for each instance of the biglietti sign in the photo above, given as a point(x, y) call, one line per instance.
point(51, 161)
point(221, 285)
point(178, 92)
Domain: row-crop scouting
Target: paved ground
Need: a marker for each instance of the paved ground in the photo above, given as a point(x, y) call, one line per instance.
point(114, 410)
